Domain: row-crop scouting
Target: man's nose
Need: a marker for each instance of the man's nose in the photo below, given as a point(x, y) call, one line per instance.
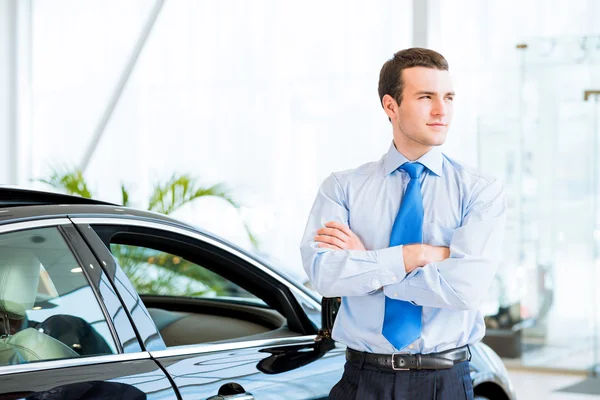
point(440, 108)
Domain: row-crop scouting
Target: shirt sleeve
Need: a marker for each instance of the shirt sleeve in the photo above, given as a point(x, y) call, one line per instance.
point(344, 272)
point(461, 281)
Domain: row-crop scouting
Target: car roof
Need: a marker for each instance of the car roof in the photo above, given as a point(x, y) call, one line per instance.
point(15, 196)
point(19, 203)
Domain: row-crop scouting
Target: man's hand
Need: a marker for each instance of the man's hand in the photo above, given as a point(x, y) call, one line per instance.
point(418, 255)
point(338, 236)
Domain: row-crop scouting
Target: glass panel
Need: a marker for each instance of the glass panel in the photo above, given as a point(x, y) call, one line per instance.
point(546, 290)
point(160, 273)
point(559, 203)
point(560, 289)
point(499, 149)
point(47, 307)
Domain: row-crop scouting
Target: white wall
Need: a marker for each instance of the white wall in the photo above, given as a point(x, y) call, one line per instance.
point(8, 93)
point(268, 97)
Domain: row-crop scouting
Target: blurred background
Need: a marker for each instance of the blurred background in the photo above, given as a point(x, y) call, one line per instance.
point(261, 100)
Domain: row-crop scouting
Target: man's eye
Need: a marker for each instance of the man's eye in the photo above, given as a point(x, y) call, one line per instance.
point(450, 98)
point(425, 97)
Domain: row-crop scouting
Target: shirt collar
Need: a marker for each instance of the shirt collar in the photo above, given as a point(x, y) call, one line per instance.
point(433, 160)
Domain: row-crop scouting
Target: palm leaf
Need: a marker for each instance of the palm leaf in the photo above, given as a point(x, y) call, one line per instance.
point(124, 196)
point(166, 198)
point(167, 268)
point(180, 190)
point(253, 239)
point(68, 181)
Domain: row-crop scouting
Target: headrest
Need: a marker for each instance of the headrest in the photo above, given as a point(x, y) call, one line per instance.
point(35, 345)
point(19, 277)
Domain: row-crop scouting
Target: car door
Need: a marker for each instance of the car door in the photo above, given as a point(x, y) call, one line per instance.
point(231, 327)
point(65, 334)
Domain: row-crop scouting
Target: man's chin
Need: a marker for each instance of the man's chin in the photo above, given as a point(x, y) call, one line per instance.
point(435, 141)
point(430, 140)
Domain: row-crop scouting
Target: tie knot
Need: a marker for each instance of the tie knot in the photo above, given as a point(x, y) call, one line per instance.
point(414, 169)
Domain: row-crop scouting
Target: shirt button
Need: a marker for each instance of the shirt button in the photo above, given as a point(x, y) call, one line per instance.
point(411, 347)
point(395, 294)
point(394, 278)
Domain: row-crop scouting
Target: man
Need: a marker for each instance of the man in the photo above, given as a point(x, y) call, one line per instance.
point(411, 244)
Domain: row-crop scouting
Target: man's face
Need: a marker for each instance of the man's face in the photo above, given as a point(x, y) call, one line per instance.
point(425, 112)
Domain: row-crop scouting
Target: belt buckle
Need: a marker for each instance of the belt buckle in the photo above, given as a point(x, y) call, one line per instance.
point(403, 353)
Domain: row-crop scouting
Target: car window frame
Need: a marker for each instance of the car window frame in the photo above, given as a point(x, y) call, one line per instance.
point(143, 325)
point(287, 290)
point(96, 275)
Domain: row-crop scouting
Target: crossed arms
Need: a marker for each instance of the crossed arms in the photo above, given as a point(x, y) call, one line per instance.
point(455, 277)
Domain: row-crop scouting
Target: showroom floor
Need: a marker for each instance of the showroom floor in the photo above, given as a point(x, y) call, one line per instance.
point(533, 385)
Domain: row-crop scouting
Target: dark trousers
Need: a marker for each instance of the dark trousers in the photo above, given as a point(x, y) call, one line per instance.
point(367, 383)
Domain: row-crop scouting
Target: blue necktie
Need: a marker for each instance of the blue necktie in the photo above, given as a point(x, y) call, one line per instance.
point(402, 320)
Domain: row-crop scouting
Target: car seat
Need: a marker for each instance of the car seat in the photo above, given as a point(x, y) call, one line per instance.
point(19, 277)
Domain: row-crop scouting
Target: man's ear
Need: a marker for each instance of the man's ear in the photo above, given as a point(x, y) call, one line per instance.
point(390, 106)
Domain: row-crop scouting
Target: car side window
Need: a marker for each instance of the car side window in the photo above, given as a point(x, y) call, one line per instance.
point(154, 272)
point(189, 303)
point(48, 310)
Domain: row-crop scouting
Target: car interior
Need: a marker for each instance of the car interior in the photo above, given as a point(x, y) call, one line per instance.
point(35, 322)
point(39, 280)
point(19, 278)
point(182, 322)
point(242, 307)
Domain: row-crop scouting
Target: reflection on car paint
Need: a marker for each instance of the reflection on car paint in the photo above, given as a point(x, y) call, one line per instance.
point(201, 376)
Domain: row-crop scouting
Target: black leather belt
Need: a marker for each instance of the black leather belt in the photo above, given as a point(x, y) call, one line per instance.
point(405, 361)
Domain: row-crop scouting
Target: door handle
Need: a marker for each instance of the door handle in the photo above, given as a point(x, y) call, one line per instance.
point(242, 396)
point(232, 391)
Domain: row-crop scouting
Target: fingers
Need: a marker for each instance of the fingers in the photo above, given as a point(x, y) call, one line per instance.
point(335, 235)
point(333, 232)
point(338, 225)
point(328, 246)
point(330, 240)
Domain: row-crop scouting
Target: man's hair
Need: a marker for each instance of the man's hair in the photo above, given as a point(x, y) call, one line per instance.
point(390, 77)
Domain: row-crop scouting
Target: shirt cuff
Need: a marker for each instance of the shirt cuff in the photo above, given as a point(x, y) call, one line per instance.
point(391, 265)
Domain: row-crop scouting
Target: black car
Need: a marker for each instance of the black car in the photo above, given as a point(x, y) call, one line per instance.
point(101, 301)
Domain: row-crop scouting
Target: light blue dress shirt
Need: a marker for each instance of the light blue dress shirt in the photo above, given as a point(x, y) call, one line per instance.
point(463, 210)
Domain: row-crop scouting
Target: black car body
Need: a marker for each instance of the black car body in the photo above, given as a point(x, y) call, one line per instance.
point(102, 301)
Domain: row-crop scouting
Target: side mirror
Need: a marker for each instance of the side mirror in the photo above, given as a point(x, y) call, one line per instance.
point(286, 358)
point(329, 310)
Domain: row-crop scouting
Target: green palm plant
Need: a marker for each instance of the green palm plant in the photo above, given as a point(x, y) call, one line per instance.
point(71, 182)
point(166, 273)
point(165, 198)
